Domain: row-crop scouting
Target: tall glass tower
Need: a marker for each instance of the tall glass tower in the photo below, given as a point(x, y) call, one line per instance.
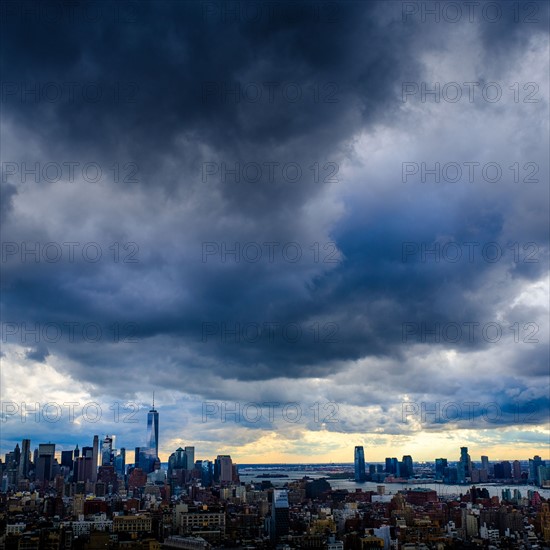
point(24, 460)
point(153, 430)
point(359, 464)
point(464, 465)
point(107, 451)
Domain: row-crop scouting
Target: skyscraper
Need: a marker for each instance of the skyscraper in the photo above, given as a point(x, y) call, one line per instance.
point(24, 461)
point(464, 466)
point(107, 451)
point(190, 455)
point(44, 467)
point(534, 464)
point(223, 469)
point(359, 458)
point(11, 468)
point(148, 456)
point(440, 466)
point(76, 456)
point(407, 466)
point(207, 472)
point(67, 460)
point(516, 469)
point(87, 468)
point(393, 466)
point(396, 467)
point(153, 430)
point(280, 520)
point(180, 459)
point(95, 456)
point(17, 454)
point(120, 462)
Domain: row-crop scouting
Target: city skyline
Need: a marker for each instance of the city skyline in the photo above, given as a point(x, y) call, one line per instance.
point(149, 444)
point(91, 464)
point(103, 490)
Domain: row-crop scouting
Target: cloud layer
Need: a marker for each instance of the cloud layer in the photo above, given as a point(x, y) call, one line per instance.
point(295, 206)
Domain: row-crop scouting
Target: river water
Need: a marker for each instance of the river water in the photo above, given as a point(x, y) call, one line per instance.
point(252, 475)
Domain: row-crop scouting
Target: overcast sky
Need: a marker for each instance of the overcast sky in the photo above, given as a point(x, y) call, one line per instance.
point(329, 216)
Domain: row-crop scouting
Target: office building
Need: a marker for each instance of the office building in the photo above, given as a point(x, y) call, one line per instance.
point(190, 458)
point(464, 466)
point(76, 456)
point(440, 466)
point(534, 464)
point(153, 430)
point(280, 519)
point(207, 472)
point(407, 466)
point(147, 457)
point(107, 451)
point(516, 469)
point(95, 458)
point(120, 462)
point(25, 459)
point(543, 476)
point(44, 466)
point(223, 469)
point(359, 459)
point(395, 467)
point(86, 470)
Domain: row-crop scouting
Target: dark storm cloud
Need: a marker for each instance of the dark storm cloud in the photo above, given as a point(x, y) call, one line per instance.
point(173, 51)
point(7, 193)
point(503, 38)
point(38, 353)
point(162, 64)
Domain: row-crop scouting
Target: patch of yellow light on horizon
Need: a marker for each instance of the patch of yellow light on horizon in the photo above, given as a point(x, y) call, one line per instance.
point(302, 445)
point(324, 446)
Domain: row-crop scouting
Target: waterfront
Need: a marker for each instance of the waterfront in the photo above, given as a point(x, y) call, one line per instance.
point(253, 473)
